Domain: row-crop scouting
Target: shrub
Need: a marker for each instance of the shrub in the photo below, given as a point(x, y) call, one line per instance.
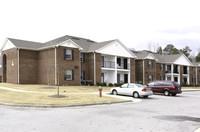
point(99, 84)
point(110, 84)
point(104, 84)
point(91, 84)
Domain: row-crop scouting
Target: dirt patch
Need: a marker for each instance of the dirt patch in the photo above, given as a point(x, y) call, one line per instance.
point(49, 87)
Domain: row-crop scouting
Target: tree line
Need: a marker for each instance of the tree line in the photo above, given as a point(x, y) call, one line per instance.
point(170, 49)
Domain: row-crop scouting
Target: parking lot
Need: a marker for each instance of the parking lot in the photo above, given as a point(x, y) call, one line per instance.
point(158, 113)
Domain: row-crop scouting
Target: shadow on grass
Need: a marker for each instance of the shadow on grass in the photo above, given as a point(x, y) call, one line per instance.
point(58, 96)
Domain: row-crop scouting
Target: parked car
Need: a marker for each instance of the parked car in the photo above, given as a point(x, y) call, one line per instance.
point(132, 89)
point(166, 87)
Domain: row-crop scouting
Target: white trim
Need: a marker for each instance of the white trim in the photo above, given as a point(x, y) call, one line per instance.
point(133, 55)
point(18, 66)
point(94, 68)
point(143, 73)
point(185, 58)
point(4, 44)
point(55, 66)
point(70, 41)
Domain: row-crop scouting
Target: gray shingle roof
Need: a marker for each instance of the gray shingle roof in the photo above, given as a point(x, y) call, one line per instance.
point(26, 44)
point(159, 57)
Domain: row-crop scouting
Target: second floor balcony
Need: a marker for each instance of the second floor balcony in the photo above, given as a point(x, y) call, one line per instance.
point(110, 64)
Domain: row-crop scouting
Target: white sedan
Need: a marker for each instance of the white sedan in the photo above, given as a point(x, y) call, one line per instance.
point(132, 89)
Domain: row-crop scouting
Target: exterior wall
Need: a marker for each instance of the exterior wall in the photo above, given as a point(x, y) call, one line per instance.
point(160, 72)
point(149, 71)
point(132, 70)
point(68, 65)
point(10, 75)
point(198, 75)
point(46, 66)
point(181, 75)
point(139, 71)
point(98, 67)
point(28, 67)
point(192, 76)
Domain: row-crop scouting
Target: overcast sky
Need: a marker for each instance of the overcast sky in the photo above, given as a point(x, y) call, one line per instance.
point(136, 23)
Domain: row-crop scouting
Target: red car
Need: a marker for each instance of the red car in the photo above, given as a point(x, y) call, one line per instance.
point(166, 87)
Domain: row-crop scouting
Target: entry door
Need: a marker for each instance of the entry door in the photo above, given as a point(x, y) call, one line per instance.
point(125, 64)
point(118, 78)
point(102, 77)
point(176, 79)
point(125, 78)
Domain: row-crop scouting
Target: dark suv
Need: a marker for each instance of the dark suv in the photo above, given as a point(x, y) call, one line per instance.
point(166, 87)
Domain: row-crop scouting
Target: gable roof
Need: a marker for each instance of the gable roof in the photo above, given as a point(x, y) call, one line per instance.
point(158, 57)
point(85, 45)
point(26, 44)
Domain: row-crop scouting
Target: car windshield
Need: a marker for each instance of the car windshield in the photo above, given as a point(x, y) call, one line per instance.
point(139, 85)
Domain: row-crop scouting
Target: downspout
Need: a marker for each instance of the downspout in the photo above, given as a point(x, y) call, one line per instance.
point(94, 68)
point(196, 76)
point(143, 73)
point(18, 66)
point(55, 66)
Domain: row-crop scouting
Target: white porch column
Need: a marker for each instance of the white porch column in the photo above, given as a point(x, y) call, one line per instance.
point(172, 72)
point(94, 68)
point(17, 66)
point(115, 76)
point(179, 74)
point(188, 78)
point(55, 66)
point(143, 73)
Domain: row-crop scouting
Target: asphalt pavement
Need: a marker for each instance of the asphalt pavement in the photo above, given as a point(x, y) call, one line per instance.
point(157, 113)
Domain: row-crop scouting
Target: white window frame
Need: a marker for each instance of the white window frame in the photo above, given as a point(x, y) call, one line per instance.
point(69, 74)
point(68, 53)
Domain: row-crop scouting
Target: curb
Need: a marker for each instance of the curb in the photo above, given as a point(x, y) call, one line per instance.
point(61, 106)
point(189, 90)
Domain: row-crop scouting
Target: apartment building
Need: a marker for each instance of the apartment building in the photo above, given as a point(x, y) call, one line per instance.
point(150, 67)
point(66, 60)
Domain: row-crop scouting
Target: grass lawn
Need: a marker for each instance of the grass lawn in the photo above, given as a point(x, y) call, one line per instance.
point(44, 88)
point(74, 95)
point(7, 96)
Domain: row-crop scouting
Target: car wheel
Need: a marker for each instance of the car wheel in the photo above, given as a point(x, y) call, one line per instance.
point(173, 94)
point(145, 96)
point(166, 93)
point(114, 92)
point(136, 95)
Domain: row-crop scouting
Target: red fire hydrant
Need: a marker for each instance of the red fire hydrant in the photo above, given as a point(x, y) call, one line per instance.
point(100, 91)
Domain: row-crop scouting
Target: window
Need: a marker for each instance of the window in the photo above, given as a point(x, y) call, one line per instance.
point(131, 85)
point(68, 54)
point(150, 64)
point(82, 57)
point(82, 75)
point(69, 75)
point(151, 84)
point(124, 86)
point(150, 78)
point(161, 66)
